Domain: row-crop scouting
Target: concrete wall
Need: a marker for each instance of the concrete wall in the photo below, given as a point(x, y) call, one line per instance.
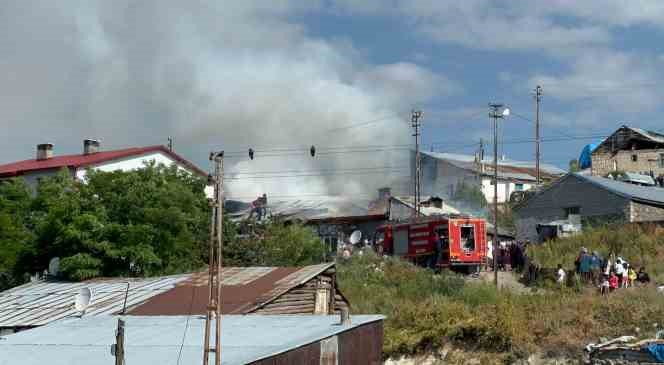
point(131, 163)
point(505, 189)
point(594, 202)
point(645, 213)
point(604, 163)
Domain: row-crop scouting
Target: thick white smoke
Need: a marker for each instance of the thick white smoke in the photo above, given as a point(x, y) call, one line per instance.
point(211, 74)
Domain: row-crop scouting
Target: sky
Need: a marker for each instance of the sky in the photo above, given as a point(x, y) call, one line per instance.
point(342, 75)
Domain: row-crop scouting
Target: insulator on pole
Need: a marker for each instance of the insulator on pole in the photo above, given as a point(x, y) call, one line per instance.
point(313, 151)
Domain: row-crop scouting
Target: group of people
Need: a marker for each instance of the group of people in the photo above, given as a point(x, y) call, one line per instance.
point(601, 272)
point(512, 255)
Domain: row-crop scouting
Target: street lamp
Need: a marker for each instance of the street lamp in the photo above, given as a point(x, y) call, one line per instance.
point(496, 111)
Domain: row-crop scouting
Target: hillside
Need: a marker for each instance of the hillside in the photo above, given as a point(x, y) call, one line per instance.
point(428, 312)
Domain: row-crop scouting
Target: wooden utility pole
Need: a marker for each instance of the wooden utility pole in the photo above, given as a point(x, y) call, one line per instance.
point(119, 343)
point(497, 111)
point(538, 98)
point(416, 115)
point(215, 262)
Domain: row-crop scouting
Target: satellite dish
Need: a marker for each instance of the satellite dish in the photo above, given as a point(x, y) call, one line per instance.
point(54, 266)
point(83, 300)
point(355, 237)
point(506, 112)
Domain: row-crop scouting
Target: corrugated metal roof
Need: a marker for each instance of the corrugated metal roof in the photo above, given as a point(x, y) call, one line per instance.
point(243, 290)
point(468, 162)
point(157, 340)
point(309, 207)
point(644, 194)
point(39, 303)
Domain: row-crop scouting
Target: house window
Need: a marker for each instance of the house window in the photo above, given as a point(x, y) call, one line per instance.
point(661, 160)
point(635, 158)
point(518, 187)
point(572, 211)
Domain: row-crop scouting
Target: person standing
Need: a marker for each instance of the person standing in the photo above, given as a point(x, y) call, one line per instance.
point(595, 268)
point(642, 276)
point(604, 285)
point(585, 263)
point(613, 281)
point(619, 268)
point(625, 275)
point(560, 276)
point(631, 276)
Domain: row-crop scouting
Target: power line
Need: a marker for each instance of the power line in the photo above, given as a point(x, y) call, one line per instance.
point(186, 326)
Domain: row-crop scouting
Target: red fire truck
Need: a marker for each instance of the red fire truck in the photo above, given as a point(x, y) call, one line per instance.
point(455, 242)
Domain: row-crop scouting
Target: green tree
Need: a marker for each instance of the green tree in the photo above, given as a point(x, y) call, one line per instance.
point(273, 244)
point(150, 221)
point(15, 237)
point(574, 166)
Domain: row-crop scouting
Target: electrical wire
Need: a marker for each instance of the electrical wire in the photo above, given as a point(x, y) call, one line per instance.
point(186, 326)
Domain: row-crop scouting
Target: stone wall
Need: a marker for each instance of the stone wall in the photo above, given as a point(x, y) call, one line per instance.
point(645, 213)
point(604, 163)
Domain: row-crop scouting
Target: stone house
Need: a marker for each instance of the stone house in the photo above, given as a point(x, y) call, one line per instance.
point(588, 199)
point(630, 150)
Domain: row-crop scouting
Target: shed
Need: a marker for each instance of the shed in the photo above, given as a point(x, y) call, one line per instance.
point(257, 290)
point(161, 340)
point(592, 199)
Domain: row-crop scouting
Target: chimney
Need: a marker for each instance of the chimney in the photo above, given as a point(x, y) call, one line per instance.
point(345, 316)
point(90, 146)
point(44, 151)
point(384, 193)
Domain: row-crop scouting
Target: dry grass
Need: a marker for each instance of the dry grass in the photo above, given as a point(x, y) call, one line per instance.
point(426, 311)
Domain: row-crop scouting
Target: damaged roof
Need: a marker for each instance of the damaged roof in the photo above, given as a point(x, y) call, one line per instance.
point(38, 303)
point(244, 289)
point(625, 137)
point(307, 208)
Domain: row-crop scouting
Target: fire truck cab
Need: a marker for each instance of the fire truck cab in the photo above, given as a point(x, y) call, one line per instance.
point(435, 241)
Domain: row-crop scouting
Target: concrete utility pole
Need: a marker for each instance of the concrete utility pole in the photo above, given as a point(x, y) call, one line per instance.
point(496, 111)
point(538, 98)
point(416, 115)
point(119, 343)
point(215, 261)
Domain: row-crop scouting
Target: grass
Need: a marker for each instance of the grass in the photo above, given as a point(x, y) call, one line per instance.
point(426, 311)
point(639, 245)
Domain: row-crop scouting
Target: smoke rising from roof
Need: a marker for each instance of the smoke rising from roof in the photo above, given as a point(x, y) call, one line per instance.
point(212, 74)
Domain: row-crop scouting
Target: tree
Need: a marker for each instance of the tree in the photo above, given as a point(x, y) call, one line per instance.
point(273, 244)
point(150, 221)
point(15, 236)
point(574, 166)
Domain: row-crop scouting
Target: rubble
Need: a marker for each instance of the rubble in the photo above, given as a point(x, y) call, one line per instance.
point(626, 350)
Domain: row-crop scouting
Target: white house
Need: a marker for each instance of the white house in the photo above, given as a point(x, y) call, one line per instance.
point(443, 174)
point(45, 164)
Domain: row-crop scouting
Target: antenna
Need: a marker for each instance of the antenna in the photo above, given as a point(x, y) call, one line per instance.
point(54, 266)
point(83, 300)
point(355, 237)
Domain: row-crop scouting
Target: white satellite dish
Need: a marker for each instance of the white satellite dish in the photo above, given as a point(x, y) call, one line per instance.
point(355, 237)
point(54, 266)
point(506, 112)
point(83, 300)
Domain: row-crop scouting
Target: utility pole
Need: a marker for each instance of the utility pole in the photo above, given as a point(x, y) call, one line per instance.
point(215, 261)
point(170, 144)
point(416, 115)
point(495, 114)
point(119, 343)
point(538, 98)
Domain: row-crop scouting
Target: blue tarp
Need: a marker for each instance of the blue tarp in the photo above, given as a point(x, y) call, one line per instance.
point(585, 160)
point(657, 351)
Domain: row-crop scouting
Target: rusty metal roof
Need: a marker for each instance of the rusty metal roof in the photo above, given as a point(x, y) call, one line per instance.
point(39, 303)
point(244, 289)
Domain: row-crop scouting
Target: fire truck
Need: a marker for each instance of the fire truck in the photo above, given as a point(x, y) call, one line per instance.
point(441, 241)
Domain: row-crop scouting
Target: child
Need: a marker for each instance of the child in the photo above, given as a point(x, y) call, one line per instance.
point(625, 276)
point(613, 281)
point(631, 276)
point(604, 285)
